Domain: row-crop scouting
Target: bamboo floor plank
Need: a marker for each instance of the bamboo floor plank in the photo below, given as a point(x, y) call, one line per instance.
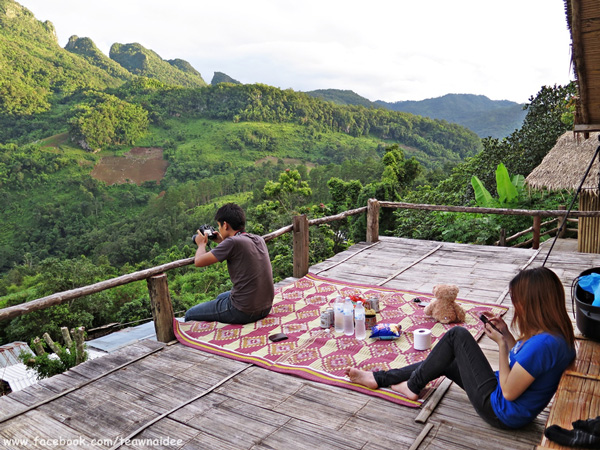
point(313, 403)
point(238, 423)
point(165, 432)
point(42, 433)
point(250, 387)
point(9, 405)
point(32, 394)
point(305, 436)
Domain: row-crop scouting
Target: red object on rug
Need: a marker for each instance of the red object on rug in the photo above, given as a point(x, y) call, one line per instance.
point(319, 354)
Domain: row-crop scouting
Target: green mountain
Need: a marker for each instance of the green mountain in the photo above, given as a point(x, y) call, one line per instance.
point(342, 97)
point(35, 71)
point(495, 118)
point(220, 77)
point(86, 48)
point(144, 62)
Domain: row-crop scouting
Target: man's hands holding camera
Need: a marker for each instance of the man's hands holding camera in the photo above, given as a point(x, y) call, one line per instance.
point(204, 234)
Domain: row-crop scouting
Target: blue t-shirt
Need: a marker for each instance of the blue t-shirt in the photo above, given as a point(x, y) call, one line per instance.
point(545, 357)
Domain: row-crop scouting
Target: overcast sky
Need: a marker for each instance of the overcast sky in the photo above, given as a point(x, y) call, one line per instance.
point(388, 50)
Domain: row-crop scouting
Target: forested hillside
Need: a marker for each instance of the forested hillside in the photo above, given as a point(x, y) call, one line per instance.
point(144, 62)
point(74, 113)
point(495, 118)
point(341, 97)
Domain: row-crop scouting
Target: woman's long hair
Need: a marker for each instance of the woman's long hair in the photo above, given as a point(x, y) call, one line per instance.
point(539, 300)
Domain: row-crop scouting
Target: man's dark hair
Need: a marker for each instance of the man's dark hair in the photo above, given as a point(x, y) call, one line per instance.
point(233, 214)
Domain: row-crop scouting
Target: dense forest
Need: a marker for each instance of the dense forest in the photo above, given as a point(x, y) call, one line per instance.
point(65, 112)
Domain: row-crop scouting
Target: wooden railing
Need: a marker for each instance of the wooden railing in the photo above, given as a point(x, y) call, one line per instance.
point(162, 309)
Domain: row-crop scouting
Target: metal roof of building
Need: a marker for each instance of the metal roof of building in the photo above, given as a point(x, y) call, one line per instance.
point(9, 353)
point(12, 370)
point(123, 338)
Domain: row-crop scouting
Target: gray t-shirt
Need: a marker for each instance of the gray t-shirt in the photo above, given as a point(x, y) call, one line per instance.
point(250, 271)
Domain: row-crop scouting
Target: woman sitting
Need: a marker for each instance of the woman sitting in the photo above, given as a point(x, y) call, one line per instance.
point(530, 365)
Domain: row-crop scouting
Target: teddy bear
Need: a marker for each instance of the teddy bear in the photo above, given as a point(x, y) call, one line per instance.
point(443, 307)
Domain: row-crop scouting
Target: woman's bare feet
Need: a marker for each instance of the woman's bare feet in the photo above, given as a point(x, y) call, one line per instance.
point(402, 388)
point(362, 377)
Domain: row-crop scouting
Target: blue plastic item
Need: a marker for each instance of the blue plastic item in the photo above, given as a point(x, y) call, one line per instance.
point(591, 283)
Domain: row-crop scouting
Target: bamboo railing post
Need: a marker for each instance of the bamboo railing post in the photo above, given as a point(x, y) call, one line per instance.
point(373, 208)
point(162, 307)
point(562, 222)
point(502, 241)
point(79, 344)
point(301, 246)
point(537, 222)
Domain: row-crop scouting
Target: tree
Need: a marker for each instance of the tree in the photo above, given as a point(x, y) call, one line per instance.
point(289, 191)
point(398, 171)
point(106, 120)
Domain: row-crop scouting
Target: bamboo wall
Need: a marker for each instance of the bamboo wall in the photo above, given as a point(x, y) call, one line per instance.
point(589, 227)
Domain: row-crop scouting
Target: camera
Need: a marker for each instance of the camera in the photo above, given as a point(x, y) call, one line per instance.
point(210, 232)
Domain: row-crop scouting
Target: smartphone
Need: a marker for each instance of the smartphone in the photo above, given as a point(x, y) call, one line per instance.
point(420, 301)
point(277, 337)
point(484, 319)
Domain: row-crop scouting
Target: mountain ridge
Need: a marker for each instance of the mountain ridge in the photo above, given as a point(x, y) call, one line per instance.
point(485, 117)
point(495, 118)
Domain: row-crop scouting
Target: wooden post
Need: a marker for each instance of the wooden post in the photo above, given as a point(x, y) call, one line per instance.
point(502, 241)
point(80, 344)
point(51, 343)
point(537, 222)
point(66, 336)
point(562, 222)
point(301, 245)
point(162, 308)
point(38, 347)
point(372, 220)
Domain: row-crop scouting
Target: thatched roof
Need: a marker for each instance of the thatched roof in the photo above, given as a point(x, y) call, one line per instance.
point(583, 19)
point(564, 166)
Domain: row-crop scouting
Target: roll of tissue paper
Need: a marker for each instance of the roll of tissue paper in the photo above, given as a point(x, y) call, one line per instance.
point(422, 339)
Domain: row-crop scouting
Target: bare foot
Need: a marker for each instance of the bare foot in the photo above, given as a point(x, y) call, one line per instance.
point(402, 388)
point(362, 377)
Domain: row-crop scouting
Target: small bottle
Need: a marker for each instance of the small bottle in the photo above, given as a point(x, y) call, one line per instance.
point(338, 314)
point(348, 317)
point(359, 321)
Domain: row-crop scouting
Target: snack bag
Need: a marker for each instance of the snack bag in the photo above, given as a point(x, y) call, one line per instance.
point(386, 331)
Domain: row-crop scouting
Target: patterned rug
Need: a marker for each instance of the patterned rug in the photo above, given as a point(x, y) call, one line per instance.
point(319, 354)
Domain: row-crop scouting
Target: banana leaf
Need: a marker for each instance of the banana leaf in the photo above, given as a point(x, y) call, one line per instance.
point(482, 195)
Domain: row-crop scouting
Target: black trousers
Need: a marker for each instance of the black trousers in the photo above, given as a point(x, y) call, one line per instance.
point(458, 357)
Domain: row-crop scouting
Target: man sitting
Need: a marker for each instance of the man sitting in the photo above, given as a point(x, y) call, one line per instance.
point(249, 268)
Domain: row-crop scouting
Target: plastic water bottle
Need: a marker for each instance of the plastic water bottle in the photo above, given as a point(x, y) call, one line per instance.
point(348, 318)
point(359, 321)
point(338, 314)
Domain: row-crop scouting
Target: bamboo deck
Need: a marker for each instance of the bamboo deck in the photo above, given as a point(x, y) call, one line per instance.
point(152, 395)
point(578, 394)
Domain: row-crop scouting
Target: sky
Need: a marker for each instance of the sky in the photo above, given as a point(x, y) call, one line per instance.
point(389, 50)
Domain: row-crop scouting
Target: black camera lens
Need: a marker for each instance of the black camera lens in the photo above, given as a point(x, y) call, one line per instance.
point(208, 230)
